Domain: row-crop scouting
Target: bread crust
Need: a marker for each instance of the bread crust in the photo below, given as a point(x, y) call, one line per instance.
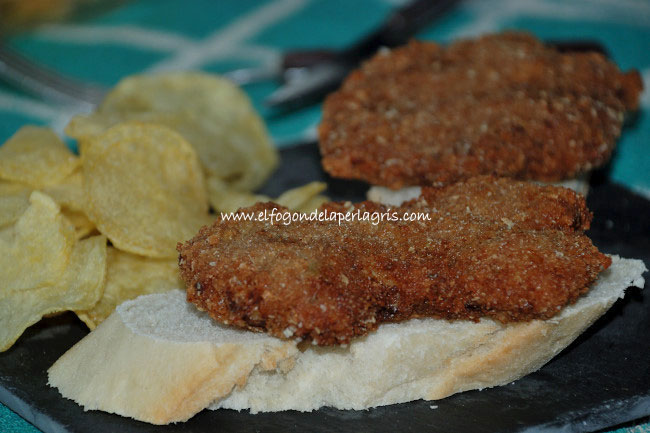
point(158, 381)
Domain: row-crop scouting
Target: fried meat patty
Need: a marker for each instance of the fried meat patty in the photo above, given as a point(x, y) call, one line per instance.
point(503, 104)
point(495, 248)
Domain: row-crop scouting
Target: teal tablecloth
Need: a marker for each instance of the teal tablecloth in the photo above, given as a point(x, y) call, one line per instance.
point(217, 36)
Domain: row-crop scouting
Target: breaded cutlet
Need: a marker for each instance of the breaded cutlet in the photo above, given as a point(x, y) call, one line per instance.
point(499, 248)
point(503, 104)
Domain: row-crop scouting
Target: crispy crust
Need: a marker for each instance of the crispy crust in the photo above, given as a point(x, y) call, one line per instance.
point(495, 248)
point(503, 104)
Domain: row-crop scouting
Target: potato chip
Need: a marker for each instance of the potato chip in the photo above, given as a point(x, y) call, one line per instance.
point(85, 126)
point(302, 199)
point(144, 188)
point(313, 203)
point(14, 201)
point(37, 157)
point(79, 287)
point(82, 225)
point(213, 114)
point(296, 198)
point(36, 249)
point(8, 188)
point(69, 192)
point(223, 198)
point(69, 195)
point(129, 276)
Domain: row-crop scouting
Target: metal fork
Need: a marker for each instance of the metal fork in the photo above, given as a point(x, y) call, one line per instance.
point(309, 75)
point(46, 84)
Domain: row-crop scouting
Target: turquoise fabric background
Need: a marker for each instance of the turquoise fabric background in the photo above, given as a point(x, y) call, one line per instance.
point(217, 36)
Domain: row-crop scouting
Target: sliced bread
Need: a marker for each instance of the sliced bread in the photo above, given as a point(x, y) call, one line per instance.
point(158, 359)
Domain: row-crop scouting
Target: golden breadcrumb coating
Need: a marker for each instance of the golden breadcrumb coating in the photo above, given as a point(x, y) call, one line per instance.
point(502, 104)
point(499, 248)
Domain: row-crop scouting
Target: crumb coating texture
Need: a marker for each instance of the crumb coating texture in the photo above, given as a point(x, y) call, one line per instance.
point(496, 248)
point(504, 104)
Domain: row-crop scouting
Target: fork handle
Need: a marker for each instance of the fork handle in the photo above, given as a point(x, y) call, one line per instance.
point(307, 58)
point(400, 26)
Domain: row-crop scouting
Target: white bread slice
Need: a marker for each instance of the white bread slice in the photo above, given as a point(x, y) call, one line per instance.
point(392, 197)
point(381, 194)
point(428, 358)
point(157, 359)
point(580, 184)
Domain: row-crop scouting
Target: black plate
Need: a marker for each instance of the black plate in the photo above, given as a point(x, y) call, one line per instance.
point(601, 380)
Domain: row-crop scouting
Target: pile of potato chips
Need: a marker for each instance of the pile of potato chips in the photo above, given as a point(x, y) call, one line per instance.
point(211, 113)
point(50, 262)
point(85, 233)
